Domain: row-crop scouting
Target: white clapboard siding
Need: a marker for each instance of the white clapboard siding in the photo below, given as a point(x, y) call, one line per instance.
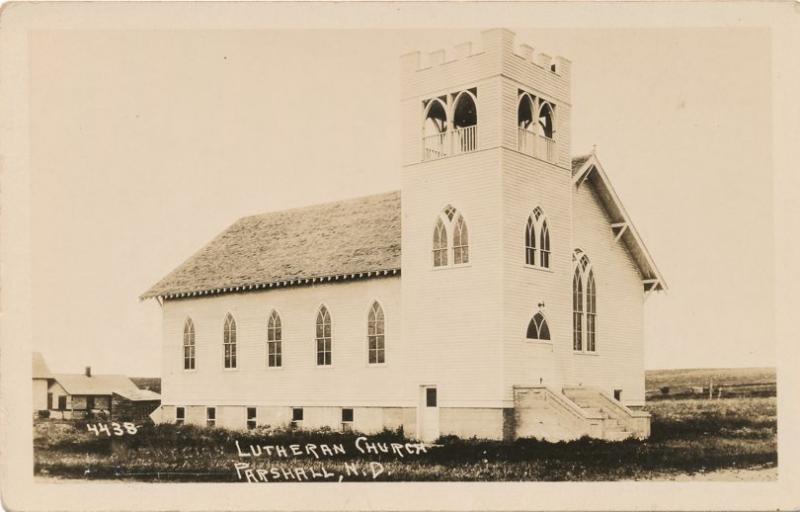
point(529, 183)
point(349, 381)
point(453, 315)
point(619, 363)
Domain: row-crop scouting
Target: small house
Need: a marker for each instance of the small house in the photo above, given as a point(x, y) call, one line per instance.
point(85, 395)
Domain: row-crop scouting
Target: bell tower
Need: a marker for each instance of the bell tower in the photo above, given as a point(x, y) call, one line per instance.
point(485, 142)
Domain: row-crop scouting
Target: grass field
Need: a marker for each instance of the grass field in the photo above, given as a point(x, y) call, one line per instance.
point(689, 437)
point(734, 382)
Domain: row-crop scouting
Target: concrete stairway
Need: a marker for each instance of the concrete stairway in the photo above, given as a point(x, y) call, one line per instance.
point(547, 414)
point(619, 422)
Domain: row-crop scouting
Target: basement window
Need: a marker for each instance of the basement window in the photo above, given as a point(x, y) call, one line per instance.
point(347, 420)
point(211, 416)
point(297, 416)
point(180, 415)
point(251, 418)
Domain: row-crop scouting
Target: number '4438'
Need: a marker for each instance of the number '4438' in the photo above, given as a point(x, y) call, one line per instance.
point(113, 428)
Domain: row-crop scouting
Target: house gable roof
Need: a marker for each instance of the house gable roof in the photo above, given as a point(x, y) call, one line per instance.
point(80, 384)
point(40, 369)
point(587, 169)
point(339, 240)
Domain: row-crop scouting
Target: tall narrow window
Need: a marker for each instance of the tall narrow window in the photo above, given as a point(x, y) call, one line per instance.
point(536, 230)
point(584, 301)
point(591, 312)
point(376, 335)
point(460, 242)
point(544, 236)
point(439, 245)
point(274, 337)
point(537, 328)
point(188, 345)
point(577, 311)
point(229, 342)
point(323, 337)
point(530, 242)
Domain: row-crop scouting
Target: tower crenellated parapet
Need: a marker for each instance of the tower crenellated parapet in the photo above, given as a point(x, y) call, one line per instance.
point(477, 95)
point(496, 52)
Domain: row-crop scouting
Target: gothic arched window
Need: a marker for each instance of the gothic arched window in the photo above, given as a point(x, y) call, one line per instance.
point(537, 328)
point(376, 335)
point(584, 304)
point(439, 244)
point(229, 342)
point(450, 227)
point(460, 242)
point(536, 229)
point(274, 341)
point(323, 337)
point(188, 345)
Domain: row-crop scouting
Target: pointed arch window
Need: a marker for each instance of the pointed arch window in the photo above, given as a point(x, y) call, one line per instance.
point(229, 342)
point(584, 304)
point(274, 341)
point(591, 312)
point(188, 345)
point(323, 337)
point(536, 230)
point(376, 335)
point(439, 244)
point(450, 229)
point(530, 242)
point(538, 329)
point(460, 242)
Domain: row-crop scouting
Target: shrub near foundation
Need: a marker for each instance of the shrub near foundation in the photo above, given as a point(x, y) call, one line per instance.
point(689, 436)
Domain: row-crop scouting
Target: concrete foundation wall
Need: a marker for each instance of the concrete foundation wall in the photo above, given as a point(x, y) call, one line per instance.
point(471, 422)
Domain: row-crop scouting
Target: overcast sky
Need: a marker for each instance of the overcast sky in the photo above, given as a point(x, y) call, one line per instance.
point(145, 145)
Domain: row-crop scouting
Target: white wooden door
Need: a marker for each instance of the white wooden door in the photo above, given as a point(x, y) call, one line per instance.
point(429, 414)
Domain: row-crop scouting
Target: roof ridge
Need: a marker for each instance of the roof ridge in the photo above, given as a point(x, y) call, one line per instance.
point(332, 202)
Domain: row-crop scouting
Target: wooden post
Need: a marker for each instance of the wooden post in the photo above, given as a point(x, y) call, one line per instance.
point(710, 388)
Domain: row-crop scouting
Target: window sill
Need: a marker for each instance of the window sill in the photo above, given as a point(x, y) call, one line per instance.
point(541, 269)
point(539, 342)
point(376, 365)
point(584, 353)
point(452, 266)
point(189, 370)
point(324, 366)
point(230, 369)
point(274, 368)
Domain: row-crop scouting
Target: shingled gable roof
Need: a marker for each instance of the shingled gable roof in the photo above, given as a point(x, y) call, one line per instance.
point(80, 384)
point(332, 241)
point(587, 169)
point(337, 241)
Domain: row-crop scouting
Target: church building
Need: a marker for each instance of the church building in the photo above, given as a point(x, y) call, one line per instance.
point(498, 294)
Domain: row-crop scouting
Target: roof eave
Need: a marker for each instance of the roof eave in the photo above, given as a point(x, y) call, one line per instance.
point(592, 170)
point(181, 294)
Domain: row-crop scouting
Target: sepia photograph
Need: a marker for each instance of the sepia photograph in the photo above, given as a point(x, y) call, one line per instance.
point(508, 252)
